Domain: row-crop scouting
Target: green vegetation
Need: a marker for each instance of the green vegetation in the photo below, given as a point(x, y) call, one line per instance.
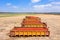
point(15, 14)
point(9, 14)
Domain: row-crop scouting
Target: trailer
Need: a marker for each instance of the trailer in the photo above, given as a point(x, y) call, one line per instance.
point(30, 27)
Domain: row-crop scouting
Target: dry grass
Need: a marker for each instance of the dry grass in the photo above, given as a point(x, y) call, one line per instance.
point(7, 23)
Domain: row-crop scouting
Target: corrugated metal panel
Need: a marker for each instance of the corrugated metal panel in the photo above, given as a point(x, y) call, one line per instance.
point(30, 23)
point(30, 29)
point(34, 25)
point(31, 33)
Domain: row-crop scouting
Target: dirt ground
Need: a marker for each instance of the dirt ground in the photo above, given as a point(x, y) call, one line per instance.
point(52, 21)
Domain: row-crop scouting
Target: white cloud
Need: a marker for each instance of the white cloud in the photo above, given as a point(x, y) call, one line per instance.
point(14, 7)
point(42, 6)
point(35, 1)
point(9, 5)
point(48, 7)
point(56, 3)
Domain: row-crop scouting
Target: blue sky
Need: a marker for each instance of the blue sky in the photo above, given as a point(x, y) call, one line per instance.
point(29, 5)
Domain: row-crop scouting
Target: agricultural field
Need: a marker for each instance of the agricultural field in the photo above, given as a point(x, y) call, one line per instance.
point(8, 21)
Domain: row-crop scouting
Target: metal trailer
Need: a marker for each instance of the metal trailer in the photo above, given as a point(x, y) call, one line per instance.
point(30, 26)
point(29, 32)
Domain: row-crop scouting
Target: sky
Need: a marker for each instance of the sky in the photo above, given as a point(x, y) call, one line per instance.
point(29, 5)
